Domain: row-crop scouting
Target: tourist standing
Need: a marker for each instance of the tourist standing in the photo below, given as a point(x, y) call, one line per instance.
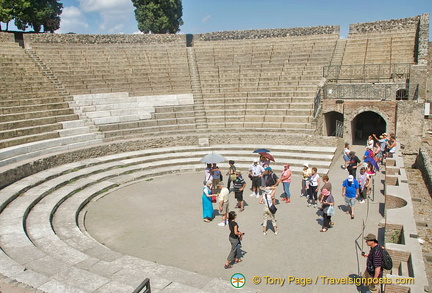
point(207, 205)
point(350, 191)
point(231, 173)
point(374, 261)
point(235, 238)
point(286, 182)
point(346, 156)
point(364, 182)
point(255, 172)
point(314, 182)
point(268, 199)
point(306, 173)
point(353, 164)
point(391, 145)
point(327, 202)
point(239, 185)
point(216, 174)
point(223, 199)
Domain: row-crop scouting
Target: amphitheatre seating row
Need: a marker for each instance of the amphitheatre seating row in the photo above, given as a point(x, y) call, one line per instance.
point(101, 68)
point(43, 238)
point(248, 81)
point(384, 47)
point(34, 112)
point(120, 115)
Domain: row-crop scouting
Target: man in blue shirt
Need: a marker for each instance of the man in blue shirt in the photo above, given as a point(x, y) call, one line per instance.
point(350, 191)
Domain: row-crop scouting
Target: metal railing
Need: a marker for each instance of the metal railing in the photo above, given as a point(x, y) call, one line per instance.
point(364, 72)
point(317, 103)
point(144, 287)
point(367, 91)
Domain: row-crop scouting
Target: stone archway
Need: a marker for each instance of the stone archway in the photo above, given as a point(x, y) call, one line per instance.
point(365, 124)
point(332, 120)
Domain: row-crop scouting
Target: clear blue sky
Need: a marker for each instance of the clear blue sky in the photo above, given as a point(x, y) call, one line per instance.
point(201, 16)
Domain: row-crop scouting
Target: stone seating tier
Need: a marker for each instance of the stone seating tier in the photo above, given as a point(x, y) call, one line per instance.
point(46, 245)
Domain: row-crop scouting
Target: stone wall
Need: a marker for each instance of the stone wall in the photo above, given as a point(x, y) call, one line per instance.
point(423, 39)
point(105, 39)
point(267, 33)
point(410, 125)
point(7, 37)
point(385, 25)
point(424, 163)
point(350, 109)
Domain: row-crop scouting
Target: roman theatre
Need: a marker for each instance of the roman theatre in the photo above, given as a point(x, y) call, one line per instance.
point(102, 136)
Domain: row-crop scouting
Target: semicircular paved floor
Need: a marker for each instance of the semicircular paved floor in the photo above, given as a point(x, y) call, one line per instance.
point(160, 220)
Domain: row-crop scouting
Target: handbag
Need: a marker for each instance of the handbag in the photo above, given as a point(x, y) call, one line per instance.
point(272, 207)
point(330, 211)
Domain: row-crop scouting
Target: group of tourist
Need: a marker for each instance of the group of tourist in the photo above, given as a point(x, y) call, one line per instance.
point(377, 150)
point(264, 182)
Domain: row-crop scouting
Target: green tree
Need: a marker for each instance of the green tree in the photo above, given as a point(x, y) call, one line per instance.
point(10, 9)
point(158, 16)
point(40, 13)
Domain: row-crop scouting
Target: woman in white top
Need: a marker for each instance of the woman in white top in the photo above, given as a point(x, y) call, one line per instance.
point(267, 198)
point(314, 182)
point(370, 142)
point(346, 156)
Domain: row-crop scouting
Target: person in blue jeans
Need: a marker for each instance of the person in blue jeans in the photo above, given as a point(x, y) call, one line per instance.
point(286, 182)
point(350, 191)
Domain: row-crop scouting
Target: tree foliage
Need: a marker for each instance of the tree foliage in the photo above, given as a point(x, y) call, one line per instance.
point(32, 13)
point(158, 16)
point(10, 9)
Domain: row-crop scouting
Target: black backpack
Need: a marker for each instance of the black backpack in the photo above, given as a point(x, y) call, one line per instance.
point(387, 262)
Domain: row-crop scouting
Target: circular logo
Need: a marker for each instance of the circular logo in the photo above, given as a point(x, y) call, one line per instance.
point(238, 280)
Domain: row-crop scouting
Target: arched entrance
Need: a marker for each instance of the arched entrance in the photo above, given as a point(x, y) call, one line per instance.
point(365, 124)
point(334, 123)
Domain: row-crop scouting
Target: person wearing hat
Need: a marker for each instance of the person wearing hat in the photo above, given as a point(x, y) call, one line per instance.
point(350, 191)
point(374, 262)
point(286, 182)
point(327, 201)
point(255, 172)
point(271, 179)
point(306, 173)
point(239, 185)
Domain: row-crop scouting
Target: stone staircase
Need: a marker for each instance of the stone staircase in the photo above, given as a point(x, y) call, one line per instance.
point(200, 114)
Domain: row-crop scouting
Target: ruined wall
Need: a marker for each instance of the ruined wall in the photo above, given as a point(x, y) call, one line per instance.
point(105, 39)
point(267, 33)
point(7, 37)
point(410, 125)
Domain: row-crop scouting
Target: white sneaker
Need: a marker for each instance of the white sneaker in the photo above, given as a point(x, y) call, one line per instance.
point(222, 224)
point(264, 233)
point(362, 201)
point(276, 233)
point(257, 196)
point(252, 194)
point(309, 205)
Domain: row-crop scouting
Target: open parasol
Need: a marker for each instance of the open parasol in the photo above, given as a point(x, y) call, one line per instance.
point(212, 158)
point(261, 151)
point(267, 156)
